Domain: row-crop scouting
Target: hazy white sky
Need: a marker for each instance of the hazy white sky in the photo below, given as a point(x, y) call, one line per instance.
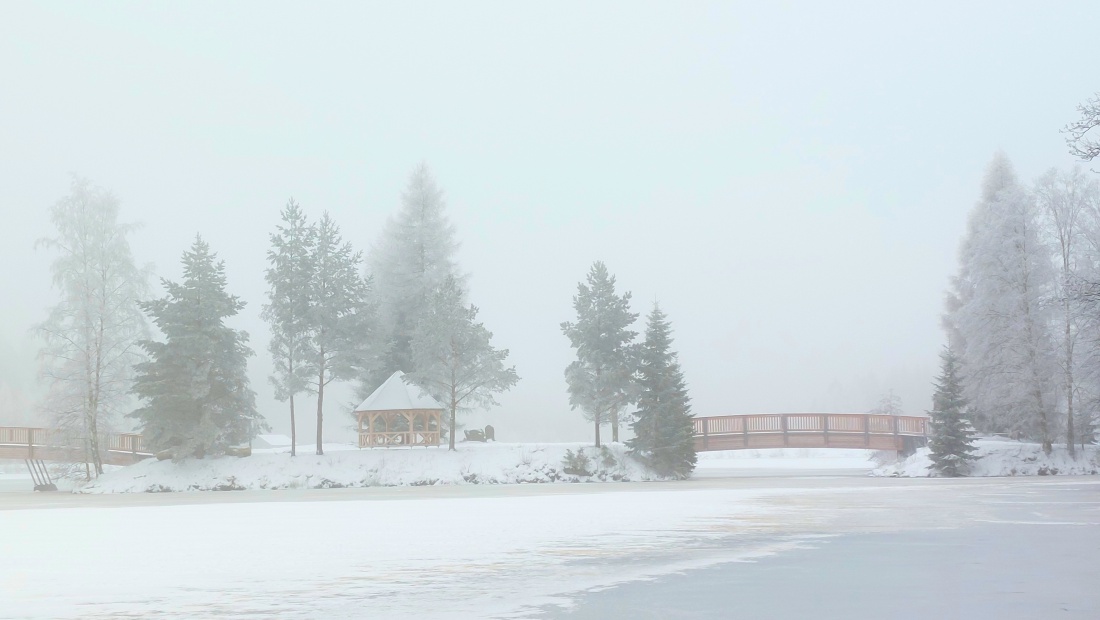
point(790, 180)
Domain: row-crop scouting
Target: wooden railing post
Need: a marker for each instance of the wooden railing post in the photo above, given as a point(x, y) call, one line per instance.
point(867, 431)
point(825, 428)
point(897, 445)
point(30, 443)
point(745, 431)
point(783, 425)
point(706, 429)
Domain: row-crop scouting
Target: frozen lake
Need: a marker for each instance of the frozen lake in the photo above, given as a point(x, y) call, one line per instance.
point(549, 550)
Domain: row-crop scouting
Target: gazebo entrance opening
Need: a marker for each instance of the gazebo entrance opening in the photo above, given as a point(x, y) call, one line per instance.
point(407, 427)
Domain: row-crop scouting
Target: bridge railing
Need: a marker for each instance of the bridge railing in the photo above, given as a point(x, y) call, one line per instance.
point(30, 437)
point(874, 424)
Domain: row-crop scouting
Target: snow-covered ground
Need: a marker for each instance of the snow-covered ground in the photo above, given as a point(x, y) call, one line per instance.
point(787, 458)
point(472, 463)
point(997, 457)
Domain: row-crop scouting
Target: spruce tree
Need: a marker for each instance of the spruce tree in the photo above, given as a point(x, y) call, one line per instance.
point(952, 438)
point(195, 389)
point(454, 356)
point(289, 278)
point(601, 379)
point(663, 421)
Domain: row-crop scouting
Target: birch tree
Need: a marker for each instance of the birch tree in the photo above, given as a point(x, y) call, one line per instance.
point(1082, 141)
point(1065, 199)
point(600, 381)
point(290, 278)
point(455, 360)
point(90, 337)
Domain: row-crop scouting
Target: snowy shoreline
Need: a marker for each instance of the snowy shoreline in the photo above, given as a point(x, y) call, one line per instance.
point(1004, 458)
point(472, 463)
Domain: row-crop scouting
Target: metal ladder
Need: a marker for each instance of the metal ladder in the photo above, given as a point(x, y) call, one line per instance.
point(40, 475)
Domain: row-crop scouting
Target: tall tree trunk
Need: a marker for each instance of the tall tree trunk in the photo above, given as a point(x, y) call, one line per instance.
point(293, 430)
point(320, 403)
point(614, 425)
point(1069, 385)
point(451, 435)
point(597, 431)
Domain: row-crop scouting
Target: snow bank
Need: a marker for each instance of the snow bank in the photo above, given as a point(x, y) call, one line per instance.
point(472, 463)
point(1004, 458)
point(787, 458)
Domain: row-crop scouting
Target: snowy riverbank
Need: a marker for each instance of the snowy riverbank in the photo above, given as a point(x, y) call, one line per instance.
point(472, 463)
point(1005, 458)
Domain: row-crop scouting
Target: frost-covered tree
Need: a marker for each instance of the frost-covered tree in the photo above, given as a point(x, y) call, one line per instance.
point(90, 337)
point(290, 277)
point(1000, 318)
point(454, 357)
point(413, 257)
point(194, 386)
point(952, 442)
point(663, 421)
point(1066, 200)
point(341, 317)
point(600, 381)
point(1080, 139)
point(889, 404)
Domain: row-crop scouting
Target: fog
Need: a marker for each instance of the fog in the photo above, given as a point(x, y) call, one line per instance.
point(790, 181)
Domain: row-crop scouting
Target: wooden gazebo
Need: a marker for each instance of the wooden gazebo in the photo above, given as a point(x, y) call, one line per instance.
point(399, 414)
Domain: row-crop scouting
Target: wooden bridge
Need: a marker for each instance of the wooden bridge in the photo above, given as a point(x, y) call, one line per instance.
point(811, 430)
point(24, 442)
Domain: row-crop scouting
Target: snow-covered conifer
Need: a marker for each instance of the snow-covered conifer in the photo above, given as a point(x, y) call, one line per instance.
point(952, 436)
point(413, 257)
point(290, 279)
point(1000, 316)
point(662, 424)
point(194, 386)
point(341, 317)
point(601, 379)
point(454, 357)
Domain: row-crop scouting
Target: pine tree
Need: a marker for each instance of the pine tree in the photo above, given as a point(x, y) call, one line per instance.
point(663, 422)
point(952, 438)
point(290, 279)
point(453, 353)
point(341, 318)
point(90, 338)
point(601, 379)
point(413, 258)
point(195, 389)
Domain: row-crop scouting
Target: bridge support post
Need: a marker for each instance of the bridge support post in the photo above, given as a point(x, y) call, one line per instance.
point(783, 425)
point(745, 432)
point(867, 431)
point(897, 440)
point(706, 429)
point(825, 428)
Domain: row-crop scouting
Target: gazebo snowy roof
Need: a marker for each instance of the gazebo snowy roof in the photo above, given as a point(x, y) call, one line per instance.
point(397, 394)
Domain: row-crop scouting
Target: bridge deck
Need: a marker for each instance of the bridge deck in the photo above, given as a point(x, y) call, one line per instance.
point(810, 430)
